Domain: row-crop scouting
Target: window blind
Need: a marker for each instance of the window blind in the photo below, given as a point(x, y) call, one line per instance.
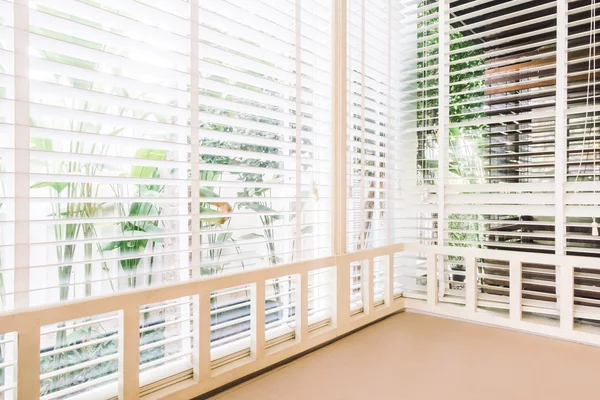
point(419, 115)
point(501, 141)
point(373, 95)
point(148, 142)
point(264, 144)
point(488, 160)
point(418, 206)
point(109, 158)
point(264, 95)
point(501, 124)
point(492, 67)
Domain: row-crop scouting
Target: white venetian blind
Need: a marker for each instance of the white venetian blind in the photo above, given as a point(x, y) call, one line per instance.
point(501, 125)
point(109, 142)
point(583, 153)
point(418, 133)
point(373, 95)
point(108, 187)
point(110, 158)
point(501, 144)
point(265, 140)
point(144, 142)
point(264, 154)
point(492, 72)
point(419, 109)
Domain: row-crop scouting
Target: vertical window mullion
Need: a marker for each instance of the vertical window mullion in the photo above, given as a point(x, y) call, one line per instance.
point(363, 31)
point(194, 163)
point(388, 179)
point(28, 372)
point(444, 120)
point(21, 154)
point(560, 147)
point(339, 124)
point(298, 194)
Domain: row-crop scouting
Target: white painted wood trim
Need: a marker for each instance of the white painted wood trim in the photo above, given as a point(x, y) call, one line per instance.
point(560, 130)
point(338, 124)
point(28, 362)
point(257, 315)
point(21, 157)
point(368, 287)
point(516, 285)
point(342, 293)
point(298, 71)
point(389, 279)
point(195, 137)
point(201, 356)
point(471, 284)
point(566, 297)
point(129, 353)
point(302, 306)
point(27, 323)
point(432, 281)
point(443, 115)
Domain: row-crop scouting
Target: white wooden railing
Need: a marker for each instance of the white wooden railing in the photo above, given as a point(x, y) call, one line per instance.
point(514, 319)
point(26, 324)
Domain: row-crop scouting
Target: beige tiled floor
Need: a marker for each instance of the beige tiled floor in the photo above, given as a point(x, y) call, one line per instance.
point(412, 356)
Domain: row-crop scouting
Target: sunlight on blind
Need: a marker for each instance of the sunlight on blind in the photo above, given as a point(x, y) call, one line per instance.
point(110, 141)
point(112, 180)
point(416, 213)
point(373, 161)
point(265, 80)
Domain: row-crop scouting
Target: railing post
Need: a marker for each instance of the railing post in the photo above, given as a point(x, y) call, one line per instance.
point(28, 363)
point(257, 316)
point(129, 353)
point(388, 294)
point(368, 286)
point(342, 294)
point(301, 301)
point(10, 354)
point(471, 284)
point(566, 296)
point(432, 290)
point(202, 319)
point(516, 284)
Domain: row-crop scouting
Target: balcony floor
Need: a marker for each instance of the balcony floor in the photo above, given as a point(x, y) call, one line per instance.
point(413, 356)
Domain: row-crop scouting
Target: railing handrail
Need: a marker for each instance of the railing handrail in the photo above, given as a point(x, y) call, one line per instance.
point(46, 314)
point(507, 255)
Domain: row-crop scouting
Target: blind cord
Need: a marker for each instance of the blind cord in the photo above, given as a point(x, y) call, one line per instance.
point(593, 50)
point(593, 82)
point(591, 55)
